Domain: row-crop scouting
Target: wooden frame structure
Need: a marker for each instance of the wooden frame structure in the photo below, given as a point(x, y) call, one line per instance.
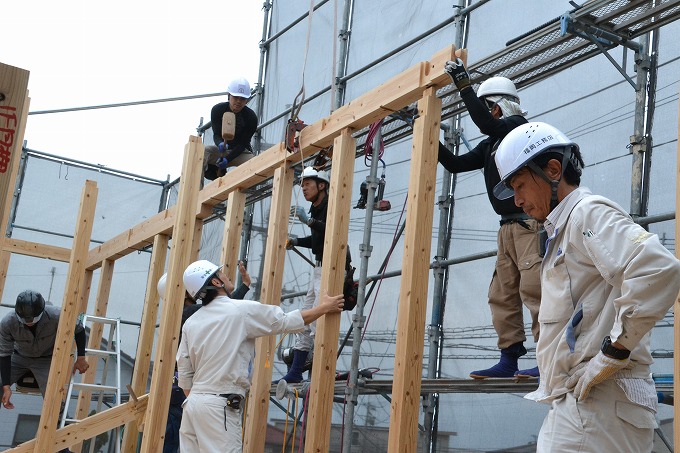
point(147, 413)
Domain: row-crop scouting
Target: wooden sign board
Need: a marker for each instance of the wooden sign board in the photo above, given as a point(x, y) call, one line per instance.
point(13, 111)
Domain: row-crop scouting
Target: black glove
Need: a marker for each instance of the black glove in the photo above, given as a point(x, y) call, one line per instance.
point(459, 76)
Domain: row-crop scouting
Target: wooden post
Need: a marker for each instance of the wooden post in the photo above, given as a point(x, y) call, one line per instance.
point(95, 341)
point(61, 365)
point(233, 226)
point(13, 112)
point(272, 279)
point(196, 248)
point(332, 279)
point(171, 316)
point(4, 267)
point(408, 359)
point(140, 374)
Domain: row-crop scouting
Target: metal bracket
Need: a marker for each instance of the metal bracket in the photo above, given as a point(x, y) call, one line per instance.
point(601, 38)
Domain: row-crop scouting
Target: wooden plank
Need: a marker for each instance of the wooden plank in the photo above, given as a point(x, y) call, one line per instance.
point(95, 341)
point(60, 368)
point(13, 112)
point(36, 250)
point(400, 91)
point(332, 277)
point(408, 359)
point(233, 226)
point(171, 314)
point(140, 373)
point(84, 295)
point(95, 425)
point(196, 242)
point(4, 266)
point(272, 280)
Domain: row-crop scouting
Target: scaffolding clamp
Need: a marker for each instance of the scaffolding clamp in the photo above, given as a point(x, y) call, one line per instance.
point(602, 38)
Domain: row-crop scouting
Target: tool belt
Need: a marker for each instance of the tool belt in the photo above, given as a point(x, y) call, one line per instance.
point(234, 400)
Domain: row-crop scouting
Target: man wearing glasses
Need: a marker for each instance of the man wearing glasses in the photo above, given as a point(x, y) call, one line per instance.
point(496, 111)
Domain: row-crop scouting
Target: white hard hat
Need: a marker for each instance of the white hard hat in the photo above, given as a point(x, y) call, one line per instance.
point(311, 172)
point(239, 88)
point(522, 145)
point(161, 285)
point(497, 86)
point(197, 276)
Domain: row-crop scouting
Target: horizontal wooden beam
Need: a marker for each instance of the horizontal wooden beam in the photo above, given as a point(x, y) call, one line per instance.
point(36, 250)
point(95, 425)
point(393, 95)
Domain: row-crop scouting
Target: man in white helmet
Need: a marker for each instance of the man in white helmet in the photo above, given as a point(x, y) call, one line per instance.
point(177, 397)
point(495, 110)
point(606, 281)
point(315, 185)
point(215, 356)
point(238, 150)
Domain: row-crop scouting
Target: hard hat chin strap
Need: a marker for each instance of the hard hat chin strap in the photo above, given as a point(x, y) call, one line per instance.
point(553, 182)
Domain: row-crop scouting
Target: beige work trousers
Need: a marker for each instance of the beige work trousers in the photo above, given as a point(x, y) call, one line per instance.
point(516, 281)
point(605, 422)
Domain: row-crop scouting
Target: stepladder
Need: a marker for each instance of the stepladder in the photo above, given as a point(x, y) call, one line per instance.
point(103, 388)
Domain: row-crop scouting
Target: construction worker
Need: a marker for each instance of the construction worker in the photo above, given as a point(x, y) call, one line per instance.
point(177, 397)
point(606, 281)
point(27, 339)
point(215, 356)
point(315, 185)
point(238, 150)
point(496, 111)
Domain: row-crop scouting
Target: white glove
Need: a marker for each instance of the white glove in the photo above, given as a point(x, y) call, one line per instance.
point(597, 370)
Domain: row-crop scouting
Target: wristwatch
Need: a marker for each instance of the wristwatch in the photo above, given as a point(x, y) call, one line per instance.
point(611, 351)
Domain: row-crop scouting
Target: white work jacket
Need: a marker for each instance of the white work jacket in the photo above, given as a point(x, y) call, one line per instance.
point(217, 349)
point(602, 275)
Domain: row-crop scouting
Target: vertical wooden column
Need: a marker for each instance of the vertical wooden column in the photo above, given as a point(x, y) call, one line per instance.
point(95, 341)
point(171, 316)
point(233, 226)
point(408, 360)
point(196, 244)
point(60, 368)
point(13, 113)
point(140, 374)
point(272, 279)
point(676, 307)
point(4, 266)
point(332, 279)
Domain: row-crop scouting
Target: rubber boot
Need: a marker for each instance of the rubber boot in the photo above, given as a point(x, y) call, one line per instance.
point(528, 373)
point(506, 367)
point(298, 366)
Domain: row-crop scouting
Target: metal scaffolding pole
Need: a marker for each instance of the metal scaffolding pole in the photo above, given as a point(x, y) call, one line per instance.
point(343, 37)
point(358, 319)
point(441, 272)
point(641, 140)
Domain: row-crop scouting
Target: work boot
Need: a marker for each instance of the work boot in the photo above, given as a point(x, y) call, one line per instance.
point(506, 367)
point(528, 373)
point(297, 367)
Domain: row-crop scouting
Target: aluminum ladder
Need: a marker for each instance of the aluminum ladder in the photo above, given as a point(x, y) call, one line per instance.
point(112, 351)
